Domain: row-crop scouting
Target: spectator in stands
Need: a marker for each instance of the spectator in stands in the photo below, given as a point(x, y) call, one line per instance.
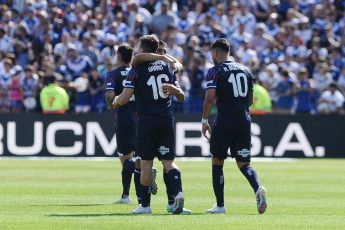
point(5, 81)
point(270, 80)
point(104, 69)
point(322, 78)
point(272, 54)
point(173, 49)
point(62, 47)
point(331, 101)
point(285, 93)
point(290, 64)
point(77, 64)
point(297, 50)
point(245, 54)
point(304, 89)
point(137, 14)
point(198, 14)
point(5, 41)
point(238, 37)
point(89, 50)
point(230, 26)
point(260, 41)
point(29, 85)
point(96, 87)
point(272, 27)
point(163, 18)
point(185, 23)
point(245, 18)
point(304, 31)
point(14, 89)
point(341, 81)
point(196, 92)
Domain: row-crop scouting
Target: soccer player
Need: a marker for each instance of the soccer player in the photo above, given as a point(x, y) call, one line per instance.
point(161, 54)
point(231, 84)
point(153, 84)
point(124, 121)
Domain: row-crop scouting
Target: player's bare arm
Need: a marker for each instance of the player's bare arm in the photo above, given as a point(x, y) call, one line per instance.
point(109, 98)
point(178, 65)
point(170, 89)
point(208, 104)
point(251, 98)
point(143, 57)
point(123, 98)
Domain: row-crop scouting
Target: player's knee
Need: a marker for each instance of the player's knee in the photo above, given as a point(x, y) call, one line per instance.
point(241, 164)
point(129, 165)
point(216, 161)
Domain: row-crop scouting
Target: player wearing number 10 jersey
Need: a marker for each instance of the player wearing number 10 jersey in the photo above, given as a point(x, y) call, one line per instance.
point(232, 85)
point(153, 83)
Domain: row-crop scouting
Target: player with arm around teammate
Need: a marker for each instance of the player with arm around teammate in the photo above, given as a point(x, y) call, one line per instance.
point(161, 54)
point(231, 84)
point(153, 84)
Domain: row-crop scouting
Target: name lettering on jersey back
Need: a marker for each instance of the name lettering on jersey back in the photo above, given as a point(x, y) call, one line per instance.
point(124, 73)
point(155, 68)
point(232, 67)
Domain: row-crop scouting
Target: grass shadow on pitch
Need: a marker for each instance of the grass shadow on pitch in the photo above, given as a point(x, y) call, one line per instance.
point(69, 205)
point(112, 214)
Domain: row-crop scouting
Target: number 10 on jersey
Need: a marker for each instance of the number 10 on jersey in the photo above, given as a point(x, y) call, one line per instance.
point(237, 84)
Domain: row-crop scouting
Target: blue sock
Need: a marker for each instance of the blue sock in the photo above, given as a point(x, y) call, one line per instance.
point(145, 195)
point(137, 173)
point(169, 187)
point(218, 184)
point(128, 168)
point(175, 180)
point(251, 176)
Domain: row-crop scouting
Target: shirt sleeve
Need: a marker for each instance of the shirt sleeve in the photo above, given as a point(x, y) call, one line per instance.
point(211, 78)
point(131, 78)
point(111, 81)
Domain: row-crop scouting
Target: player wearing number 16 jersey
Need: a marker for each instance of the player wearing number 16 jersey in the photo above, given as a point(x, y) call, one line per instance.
point(231, 84)
point(153, 83)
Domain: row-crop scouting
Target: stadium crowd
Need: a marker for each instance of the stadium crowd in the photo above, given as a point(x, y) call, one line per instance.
point(294, 48)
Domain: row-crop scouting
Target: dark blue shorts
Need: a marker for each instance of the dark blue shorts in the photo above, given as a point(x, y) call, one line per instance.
point(239, 142)
point(125, 139)
point(155, 139)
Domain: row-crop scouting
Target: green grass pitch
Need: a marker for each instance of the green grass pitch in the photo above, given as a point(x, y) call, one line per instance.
point(73, 194)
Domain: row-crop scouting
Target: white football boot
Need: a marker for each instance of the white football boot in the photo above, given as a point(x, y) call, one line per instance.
point(142, 210)
point(126, 200)
point(216, 209)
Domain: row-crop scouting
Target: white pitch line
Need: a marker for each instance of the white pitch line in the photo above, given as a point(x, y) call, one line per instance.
point(254, 159)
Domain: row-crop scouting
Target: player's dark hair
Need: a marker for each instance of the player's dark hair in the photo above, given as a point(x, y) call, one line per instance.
point(221, 44)
point(125, 53)
point(149, 43)
point(163, 43)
